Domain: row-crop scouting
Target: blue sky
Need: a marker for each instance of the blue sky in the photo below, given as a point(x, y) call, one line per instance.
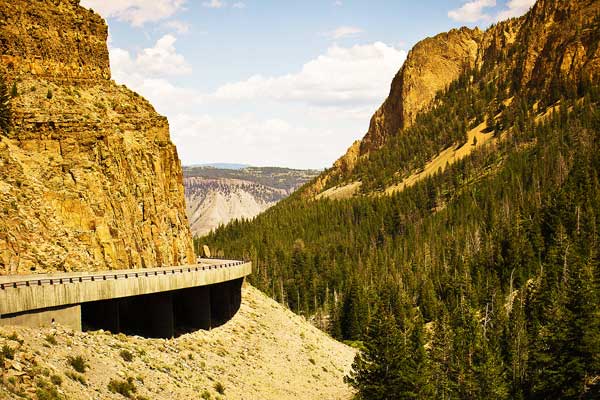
point(267, 82)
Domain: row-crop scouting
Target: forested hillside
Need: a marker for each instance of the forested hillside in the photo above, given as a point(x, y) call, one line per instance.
point(481, 280)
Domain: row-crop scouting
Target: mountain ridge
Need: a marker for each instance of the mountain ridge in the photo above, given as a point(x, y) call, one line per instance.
point(216, 196)
point(423, 75)
point(464, 252)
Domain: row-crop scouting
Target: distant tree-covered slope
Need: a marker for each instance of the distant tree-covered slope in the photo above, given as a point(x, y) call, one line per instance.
point(483, 277)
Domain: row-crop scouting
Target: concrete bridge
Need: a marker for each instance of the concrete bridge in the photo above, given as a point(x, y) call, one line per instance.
point(154, 302)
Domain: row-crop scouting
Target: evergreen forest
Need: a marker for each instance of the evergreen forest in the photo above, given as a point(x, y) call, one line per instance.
point(480, 282)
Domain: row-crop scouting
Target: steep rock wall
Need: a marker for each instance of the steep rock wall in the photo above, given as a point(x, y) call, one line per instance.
point(429, 67)
point(89, 179)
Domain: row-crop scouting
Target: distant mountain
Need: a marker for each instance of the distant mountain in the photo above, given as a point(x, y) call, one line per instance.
point(221, 166)
point(216, 196)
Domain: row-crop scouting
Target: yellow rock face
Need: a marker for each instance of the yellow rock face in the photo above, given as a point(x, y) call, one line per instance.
point(429, 67)
point(89, 178)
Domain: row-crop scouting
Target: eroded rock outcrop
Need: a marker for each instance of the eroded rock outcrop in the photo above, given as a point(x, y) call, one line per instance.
point(89, 178)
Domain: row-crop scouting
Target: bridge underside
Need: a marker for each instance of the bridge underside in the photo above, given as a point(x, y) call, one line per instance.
point(158, 315)
point(167, 314)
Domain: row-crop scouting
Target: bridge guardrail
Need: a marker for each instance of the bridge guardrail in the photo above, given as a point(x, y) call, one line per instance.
point(114, 275)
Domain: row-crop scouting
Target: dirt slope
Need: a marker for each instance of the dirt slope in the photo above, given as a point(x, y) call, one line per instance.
point(265, 352)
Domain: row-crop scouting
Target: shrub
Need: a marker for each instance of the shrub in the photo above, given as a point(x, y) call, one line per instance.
point(124, 388)
point(205, 395)
point(126, 355)
point(76, 377)
point(49, 95)
point(51, 339)
point(56, 379)
point(78, 363)
point(7, 352)
point(220, 388)
point(46, 391)
point(14, 92)
point(14, 337)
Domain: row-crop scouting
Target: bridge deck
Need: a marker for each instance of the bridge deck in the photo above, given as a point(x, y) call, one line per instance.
point(20, 293)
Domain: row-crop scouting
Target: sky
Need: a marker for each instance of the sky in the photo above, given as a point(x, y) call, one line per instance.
point(274, 82)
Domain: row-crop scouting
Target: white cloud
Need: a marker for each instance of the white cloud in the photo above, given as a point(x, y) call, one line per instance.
point(516, 8)
point(239, 5)
point(136, 12)
point(163, 59)
point(158, 61)
point(147, 72)
point(344, 32)
point(214, 4)
point(344, 75)
point(258, 140)
point(472, 11)
point(318, 112)
point(338, 3)
point(178, 26)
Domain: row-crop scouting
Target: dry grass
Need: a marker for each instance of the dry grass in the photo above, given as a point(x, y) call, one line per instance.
point(447, 157)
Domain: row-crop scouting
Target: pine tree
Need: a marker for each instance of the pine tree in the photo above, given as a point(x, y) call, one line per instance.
point(393, 365)
point(351, 315)
point(440, 354)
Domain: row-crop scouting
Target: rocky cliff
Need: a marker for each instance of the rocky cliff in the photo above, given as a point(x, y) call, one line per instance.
point(89, 178)
point(429, 67)
point(550, 57)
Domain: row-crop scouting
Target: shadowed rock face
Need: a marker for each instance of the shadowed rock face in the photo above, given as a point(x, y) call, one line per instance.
point(556, 48)
point(89, 178)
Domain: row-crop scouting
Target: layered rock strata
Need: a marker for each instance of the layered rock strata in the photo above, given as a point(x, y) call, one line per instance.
point(89, 178)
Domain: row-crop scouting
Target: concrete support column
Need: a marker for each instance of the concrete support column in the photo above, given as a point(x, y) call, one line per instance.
point(225, 301)
point(101, 315)
point(162, 321)
point(220, 309)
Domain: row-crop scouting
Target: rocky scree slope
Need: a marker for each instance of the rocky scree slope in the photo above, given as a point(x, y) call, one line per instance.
point(538, 50)
point(265, 352)
point(217, 196)
point(89, 178)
